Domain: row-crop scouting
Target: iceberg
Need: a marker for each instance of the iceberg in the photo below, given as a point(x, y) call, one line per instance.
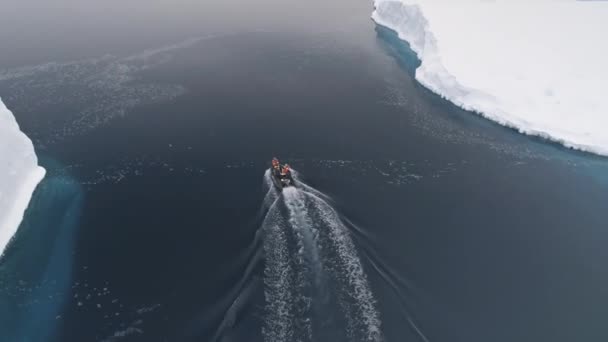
point(537, 66)
point(19, 175)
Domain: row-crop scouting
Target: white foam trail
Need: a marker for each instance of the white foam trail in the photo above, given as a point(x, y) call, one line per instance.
point(352, 270)
point(306, 260)
point(300, 221)
point(315, 225)
point(267, 181)
point(272, 194)
point(285, 283)
point(278, 275)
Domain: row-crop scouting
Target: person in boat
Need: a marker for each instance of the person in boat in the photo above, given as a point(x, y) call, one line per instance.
point(285, 171)
point(276, 166)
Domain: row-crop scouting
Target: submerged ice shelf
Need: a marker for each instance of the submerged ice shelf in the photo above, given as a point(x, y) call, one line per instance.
point(538, 67)
point(19, 175)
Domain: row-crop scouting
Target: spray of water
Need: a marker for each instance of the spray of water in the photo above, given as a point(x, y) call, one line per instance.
point(301, 223)
point(306, 246)
point(278, 282)
point(352, 276)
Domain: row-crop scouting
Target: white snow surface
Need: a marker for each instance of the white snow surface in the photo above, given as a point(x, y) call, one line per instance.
point(539, 66)
point(19, 175)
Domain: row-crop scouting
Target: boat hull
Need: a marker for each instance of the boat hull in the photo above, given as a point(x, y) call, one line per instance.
point(282, 182)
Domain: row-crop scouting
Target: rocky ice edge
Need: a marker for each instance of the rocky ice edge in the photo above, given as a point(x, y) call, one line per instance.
point(19, 175)
point(539, 67)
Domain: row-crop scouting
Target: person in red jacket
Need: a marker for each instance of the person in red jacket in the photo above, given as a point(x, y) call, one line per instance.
point(286, 170)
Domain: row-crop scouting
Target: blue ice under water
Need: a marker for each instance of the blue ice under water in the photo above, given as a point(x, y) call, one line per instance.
point(36, 271)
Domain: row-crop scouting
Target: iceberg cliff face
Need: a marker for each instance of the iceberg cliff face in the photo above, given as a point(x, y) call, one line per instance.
point(539, 67)
point(19, 175)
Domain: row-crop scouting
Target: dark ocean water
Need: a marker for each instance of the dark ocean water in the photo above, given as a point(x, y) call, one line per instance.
point(156, 222)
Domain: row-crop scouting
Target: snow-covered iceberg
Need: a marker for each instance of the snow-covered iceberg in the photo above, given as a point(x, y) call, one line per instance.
point(537, 66)
point(19, 175)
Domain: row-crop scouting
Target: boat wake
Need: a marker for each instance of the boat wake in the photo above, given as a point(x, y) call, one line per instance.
point(314, 283)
